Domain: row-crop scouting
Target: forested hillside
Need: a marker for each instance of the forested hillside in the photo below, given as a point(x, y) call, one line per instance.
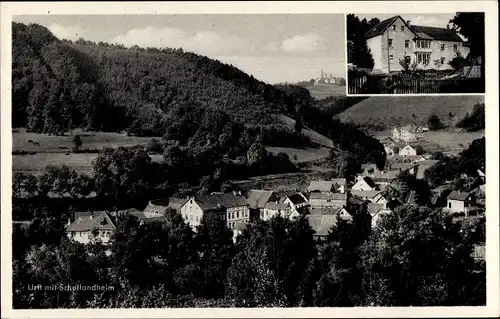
point(141, 88)
point(61, 85)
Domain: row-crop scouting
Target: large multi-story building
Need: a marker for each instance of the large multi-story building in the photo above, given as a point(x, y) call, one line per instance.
point(395, 39)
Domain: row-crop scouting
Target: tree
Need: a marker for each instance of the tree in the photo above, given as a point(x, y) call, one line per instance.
point(214, 243)
point(471, 26)
point(419, 149)
point(457, 61)
point(256, 154)
point(358, 52)
point(269, 267)
point(416, 257)
point(434, 122)
point(77, 143)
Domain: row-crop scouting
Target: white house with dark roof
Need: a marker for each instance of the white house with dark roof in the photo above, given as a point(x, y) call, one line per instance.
point(365, 183)
point(408, 150)
point(84, 227)
point(461, 202)
point(297, 202)
point(394, 40)
point(273, 209)
point(229, 207)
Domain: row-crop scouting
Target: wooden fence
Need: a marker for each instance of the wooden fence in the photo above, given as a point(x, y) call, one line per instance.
point(405, 85)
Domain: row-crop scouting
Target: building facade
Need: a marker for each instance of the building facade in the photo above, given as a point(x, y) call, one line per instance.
point(394, 40)
point(92, 226)
point(408, 150)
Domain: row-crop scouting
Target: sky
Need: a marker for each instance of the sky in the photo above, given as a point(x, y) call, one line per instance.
point(273, 48)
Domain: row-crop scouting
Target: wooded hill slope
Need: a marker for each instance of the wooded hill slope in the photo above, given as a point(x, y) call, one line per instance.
point(382, 112)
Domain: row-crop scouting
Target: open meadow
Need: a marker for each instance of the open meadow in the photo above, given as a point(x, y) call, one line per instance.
point(324, 91)
point(45, 143)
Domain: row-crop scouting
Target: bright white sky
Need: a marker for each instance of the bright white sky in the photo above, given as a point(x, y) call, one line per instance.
point(273, 48)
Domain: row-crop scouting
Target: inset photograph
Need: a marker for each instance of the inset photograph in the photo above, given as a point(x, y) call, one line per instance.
point(415, 53)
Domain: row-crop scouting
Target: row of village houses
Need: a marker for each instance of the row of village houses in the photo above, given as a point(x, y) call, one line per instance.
point(323, 204)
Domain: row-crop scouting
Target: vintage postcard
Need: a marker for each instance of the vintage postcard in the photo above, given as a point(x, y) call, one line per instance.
point(249, 159)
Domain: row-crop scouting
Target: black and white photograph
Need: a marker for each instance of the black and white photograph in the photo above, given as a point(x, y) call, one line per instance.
point(416, 53)
point(223, 161)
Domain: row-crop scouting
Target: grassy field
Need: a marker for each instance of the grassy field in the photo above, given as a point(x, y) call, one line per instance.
point(324, 91)
point(303, 155)
point(400, 110)
point(62, 144)
point(446, 140)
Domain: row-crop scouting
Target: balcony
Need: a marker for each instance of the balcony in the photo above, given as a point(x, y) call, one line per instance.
point(429, 50)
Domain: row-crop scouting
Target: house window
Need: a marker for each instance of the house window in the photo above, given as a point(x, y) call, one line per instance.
point(390, 43)
point(407, 43)
point(423, 58)
point(449, 205)
point(407, 59)
point(423, 44)
point(394, 27)
point(442, 46)
point(442, 60)
point(402, 28)
point(391, 57)
point(455, 48)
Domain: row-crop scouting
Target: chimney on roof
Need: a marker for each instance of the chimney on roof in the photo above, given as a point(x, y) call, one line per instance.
point(408, 22)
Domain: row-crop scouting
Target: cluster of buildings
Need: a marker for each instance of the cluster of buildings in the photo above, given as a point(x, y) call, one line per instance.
point(394, 40)
point(323, 203)
point(326, 79)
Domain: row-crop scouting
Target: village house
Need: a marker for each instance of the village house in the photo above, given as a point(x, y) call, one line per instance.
point(273, 209)
point(365, 183)
point(158, 207)
point(340, 185)
point(404, 167)
point(408, 150)
point(96, 225)
point(365, 195)
point(229, 207)
point(322, 224)
point(377, 211)
point(257, 200)
point(326, 202)
point(394, 40)
point(322, 186)
point(461, 202)
point(384, 178)
point(298, 203)
point(406, 133)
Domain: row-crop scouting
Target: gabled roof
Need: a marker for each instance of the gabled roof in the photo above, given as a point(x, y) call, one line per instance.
point(365, 194)
point(339, 181)
point(328, 196)
point(439, 34)
point(296, 199)
point(402, 166)
point(321, 224)
point(461, 196)
point(381, 27)
point(276, 206)
point(220, 201)
point(373, 208)
point(321, 186)
point(385, 175)
point(258, 198)
point(87, 223)
point(369, 182)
